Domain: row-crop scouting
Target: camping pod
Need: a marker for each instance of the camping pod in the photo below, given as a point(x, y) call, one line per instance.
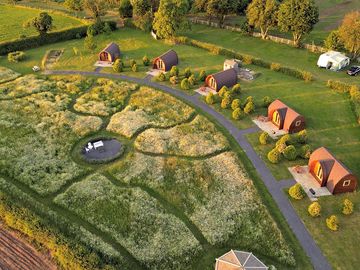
point(333, 60)
point(330, 172)
point(226, 78)
point(239, 260)
point(110, 53)
point(285, 118)
point(166, 61)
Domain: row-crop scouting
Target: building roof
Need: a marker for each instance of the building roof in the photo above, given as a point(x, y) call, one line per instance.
point(335, 56)
point(333, 169)
point(239, 260)
point(226, 77)
point(170, 58)
point(288, 115)
point(112, 48)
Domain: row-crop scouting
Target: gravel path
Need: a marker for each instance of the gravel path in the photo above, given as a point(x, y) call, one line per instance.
point(274, 187)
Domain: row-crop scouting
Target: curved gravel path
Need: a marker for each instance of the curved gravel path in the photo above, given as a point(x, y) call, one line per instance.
point(275, 187)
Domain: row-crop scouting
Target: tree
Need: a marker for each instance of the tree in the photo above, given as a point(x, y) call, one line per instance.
point(236, 89)
point(90, 43)
point(142, 14)
point(297, 16)
point(146, 61)
point(75, 5)
point(249, 107)
point(266, 101)
point(96, 8)
point(314, 209)
point(202, 76)
point(236, 103)
point(125, 9)
point(237, 114)
point(170, 18)
point(185, 85)
point(210, 99)
point(332, 223)
point(161, 77)
point(263, 15)
point(134, 68)
point(301, 136)
point(305, 151)
point(222, 91)
point(187, 72)
point(274, 156)
point(264, 138)
point(225, 102)
point(297, 192)
point(118, 67)
point(348, 207)
point(174, 80)
point(290, 152)
point(42, 23)
point(192, 80)
point(174, 71)
point(333, 41)
point(220, 8)
point(349, 32)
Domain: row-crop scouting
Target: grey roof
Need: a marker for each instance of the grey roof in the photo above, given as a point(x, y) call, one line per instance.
point(226, 78)
point(112, 48)
point(170, 58)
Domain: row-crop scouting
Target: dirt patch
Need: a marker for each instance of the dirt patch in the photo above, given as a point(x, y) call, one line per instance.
point(16, 254)
point(50, 58)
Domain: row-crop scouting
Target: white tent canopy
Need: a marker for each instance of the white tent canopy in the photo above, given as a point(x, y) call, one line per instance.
point(333, 60)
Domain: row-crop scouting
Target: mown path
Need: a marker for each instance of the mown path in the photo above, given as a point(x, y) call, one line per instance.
point(274, 187)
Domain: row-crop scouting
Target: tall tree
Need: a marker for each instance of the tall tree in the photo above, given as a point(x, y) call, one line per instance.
point(75, 5)
point(125, 9)
point(142, 14)
point(298, 16)
point(170, 17)
point(95, 7)
point(221, 8)
point(42, 23)
point(263, 15)
point(349, 32)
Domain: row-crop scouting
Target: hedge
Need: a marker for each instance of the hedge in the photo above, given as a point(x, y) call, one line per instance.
point(36, 41)
point(248, 59)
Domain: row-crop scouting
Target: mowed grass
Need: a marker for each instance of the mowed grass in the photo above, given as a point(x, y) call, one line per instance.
point(267, 50)
point(12, 19)
point(341, 247)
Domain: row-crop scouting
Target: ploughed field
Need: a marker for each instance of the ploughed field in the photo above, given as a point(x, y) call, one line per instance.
point(176, 195)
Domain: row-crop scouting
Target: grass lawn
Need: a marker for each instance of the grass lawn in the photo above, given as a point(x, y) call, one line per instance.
point(13, 18)
point(341, 247)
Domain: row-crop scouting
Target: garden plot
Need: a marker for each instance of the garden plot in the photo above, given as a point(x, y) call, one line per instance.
point(197, 138)
point(25, 85)
point(215, 194)
point(149, 108)
point(137, 221)
point(7, 74)
point(106, 98)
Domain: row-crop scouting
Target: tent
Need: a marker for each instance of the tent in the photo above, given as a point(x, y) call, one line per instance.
point(333, 60)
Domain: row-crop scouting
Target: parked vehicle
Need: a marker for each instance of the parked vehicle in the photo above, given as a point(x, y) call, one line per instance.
point(354, 71)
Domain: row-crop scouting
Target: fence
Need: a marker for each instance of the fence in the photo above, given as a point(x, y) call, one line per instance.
point(310, 47)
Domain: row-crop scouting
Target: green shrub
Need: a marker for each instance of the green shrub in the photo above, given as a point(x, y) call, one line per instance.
point(187, 72)
point(275, 66)
point(229, 95)
point(264, 138)
point(249, 99)
point(266, 101)
point(185, 85)
point(236, 103)
point(274, 156)
point(17, 56)
point(90, 43)
point(161, 77)
point(290, 152)
point(134, 68)
point(236, 89)
point(297, 192)
point(314, 209)
point(284, 140)
point(225, 103)
point(192, 80)
point(210, 98)
point(237, 114)
point(348, 207)
point(305, 151)
point(355, 93)
point(249, 107)
point(332, 223)
point(222, 91)
point(174, 71)
point(174, 80)
point(107, 29)
point(146, 61)
point(339, 86)
point(333, 41)
point(118, 66)
point(247, 59)
point(132, 62)
point(301, 136)
point(306, 76)
point(202, 76)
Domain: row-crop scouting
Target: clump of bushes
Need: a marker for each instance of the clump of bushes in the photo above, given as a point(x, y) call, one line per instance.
point(290, 152)
point(161, 77)
point(332, 223)
point(17, 56)
point(264, 138)
point(237, 114)
point(305, 151)
point(236, 89)
point(118, 65)
point(274, 156)
point(132, 62)
point(314, 209)
point(235, 104)
point(225, 103)
point(297, 192)
point(249, 107)
point(266, 101)
point(146, 61)
point(134, 68)
point(202, 76)
point(187, 72)
point(173, 80)
point(210, 99)
point(222, 91)
point(275, 66)
point(185, 85)
point(348, 207)
point(307, 76)
point(192, 80)
point(174, 71)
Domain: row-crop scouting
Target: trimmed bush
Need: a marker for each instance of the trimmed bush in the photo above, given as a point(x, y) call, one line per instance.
point(185, 85)
point(332, 223)
point(236, 89)
point(202, 76)
point(249, 99)
point(249, 107)
point(192, 80)
point(275, 66)
point(348, 207)
point(247, 59)
point(222, 91)
point(307, 76)
point(314, 209)
point(90, 43)
point(132, 62)
point(187, 72)
point(210, 99)
point(174, 71)
point(146, 61)
point(118, 66)
point(305, 151)
point(301, 136)
point(284, 140)
point(237, 114)
point(266, 101)
point(236, 103)
point(229, 95)
point(264, 138)
point(338, 86)
point(161, 77)
point(355, 93)
point(290, 152)
point(17, 56)
point(174, 80)
point(134, 68)
point(225, 103)
point(274, 156)
point(297, 192)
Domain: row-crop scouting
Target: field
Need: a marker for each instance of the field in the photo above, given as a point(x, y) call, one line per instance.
point(160, 210)
point(13, 17)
